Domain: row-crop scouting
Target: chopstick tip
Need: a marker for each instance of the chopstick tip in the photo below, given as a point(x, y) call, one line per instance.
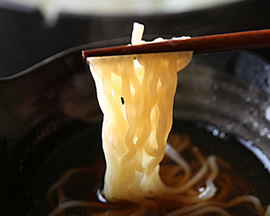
point(83, 54)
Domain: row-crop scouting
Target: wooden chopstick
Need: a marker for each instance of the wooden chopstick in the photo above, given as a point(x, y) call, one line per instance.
point(202, 44)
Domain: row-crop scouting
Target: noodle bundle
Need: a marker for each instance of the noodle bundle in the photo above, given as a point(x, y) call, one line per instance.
point(136, 94)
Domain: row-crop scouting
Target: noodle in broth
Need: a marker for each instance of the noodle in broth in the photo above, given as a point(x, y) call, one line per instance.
point(136, 94)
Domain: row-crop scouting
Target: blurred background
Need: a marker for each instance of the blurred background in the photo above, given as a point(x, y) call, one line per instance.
point(33, 30)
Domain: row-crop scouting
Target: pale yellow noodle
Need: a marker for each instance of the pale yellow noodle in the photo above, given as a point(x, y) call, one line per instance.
point(134, 148)
point(179, 142)
point(193, 180)
point(254, 200)
point(267, 212)
point(174, 155)
point(210, 189)
point(208, 210)
point(57, 185)
point(78, 203)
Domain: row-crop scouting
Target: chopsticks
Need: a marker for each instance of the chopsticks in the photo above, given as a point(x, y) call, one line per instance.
point(203, 44)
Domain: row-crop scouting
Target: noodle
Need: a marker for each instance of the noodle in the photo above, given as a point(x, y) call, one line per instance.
point(136, 94)
point(57, 185)
point(75, 203)
point(187, 199)
point(135, 133)
point(232, 203)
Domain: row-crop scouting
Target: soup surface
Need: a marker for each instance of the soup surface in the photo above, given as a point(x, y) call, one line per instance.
point(241, 173)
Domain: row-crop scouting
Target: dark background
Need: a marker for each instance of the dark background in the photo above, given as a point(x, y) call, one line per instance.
point(26, 39)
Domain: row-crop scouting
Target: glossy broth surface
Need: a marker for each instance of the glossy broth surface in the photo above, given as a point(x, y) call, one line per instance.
point(84, 150)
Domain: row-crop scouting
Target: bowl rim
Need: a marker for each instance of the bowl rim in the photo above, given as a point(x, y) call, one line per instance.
point(66, 52)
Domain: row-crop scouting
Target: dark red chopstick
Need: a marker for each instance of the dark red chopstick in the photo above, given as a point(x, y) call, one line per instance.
point(203, 44)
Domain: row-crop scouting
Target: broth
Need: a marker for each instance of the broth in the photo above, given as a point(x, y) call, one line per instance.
point(84, 150)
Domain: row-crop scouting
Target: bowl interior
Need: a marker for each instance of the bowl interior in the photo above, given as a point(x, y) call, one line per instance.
point(50, 118)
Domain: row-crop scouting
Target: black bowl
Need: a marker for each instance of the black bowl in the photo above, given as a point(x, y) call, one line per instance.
point(52, 107)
